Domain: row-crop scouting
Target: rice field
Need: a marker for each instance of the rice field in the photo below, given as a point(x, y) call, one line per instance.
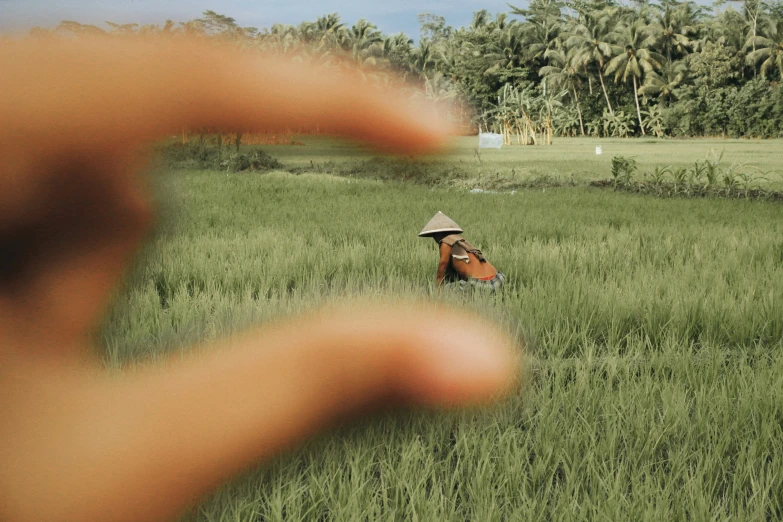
point(652, 330)
point(567, 159)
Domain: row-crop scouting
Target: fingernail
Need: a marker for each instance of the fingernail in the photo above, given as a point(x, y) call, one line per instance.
point(476, 364)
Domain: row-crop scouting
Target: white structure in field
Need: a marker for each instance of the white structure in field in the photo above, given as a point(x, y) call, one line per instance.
point(490, 140)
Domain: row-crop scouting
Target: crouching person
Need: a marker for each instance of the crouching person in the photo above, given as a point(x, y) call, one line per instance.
point(461, 264)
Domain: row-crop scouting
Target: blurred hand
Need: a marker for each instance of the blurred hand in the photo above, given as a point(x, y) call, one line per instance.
point(77, 444)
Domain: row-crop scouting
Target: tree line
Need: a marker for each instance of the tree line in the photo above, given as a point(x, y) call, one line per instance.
point(567, 68)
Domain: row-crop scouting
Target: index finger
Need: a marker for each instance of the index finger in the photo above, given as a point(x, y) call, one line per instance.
point(138, 90)
point(75, 112)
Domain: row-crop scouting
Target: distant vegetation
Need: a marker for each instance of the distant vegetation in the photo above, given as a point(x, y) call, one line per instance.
point(708, 177)
point(699, 172)
point(557, 68)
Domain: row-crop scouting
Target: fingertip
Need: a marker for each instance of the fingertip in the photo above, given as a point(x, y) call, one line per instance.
point(390, 122)
point(428, 355)
point(464, 361)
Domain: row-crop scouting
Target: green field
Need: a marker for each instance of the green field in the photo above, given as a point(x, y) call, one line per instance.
point(567, 159)
point(652, 329)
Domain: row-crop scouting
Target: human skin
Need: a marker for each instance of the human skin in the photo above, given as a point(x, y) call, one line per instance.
point(79, 444)
point(473, 269)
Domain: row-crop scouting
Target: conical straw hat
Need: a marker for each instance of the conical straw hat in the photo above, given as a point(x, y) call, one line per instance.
point(440, 222)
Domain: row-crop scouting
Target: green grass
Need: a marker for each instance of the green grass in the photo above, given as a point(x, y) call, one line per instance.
point(567, 159)
point(653, 331)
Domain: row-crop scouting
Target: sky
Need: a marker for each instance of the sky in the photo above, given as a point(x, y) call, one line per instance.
point(391, 16)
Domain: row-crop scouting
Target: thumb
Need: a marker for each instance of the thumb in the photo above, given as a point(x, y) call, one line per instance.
point(146, 447)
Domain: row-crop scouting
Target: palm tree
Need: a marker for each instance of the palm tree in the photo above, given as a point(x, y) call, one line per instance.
point(329, 32)
point(509, 53)
point(480, 20)
point(79, 29)
point(447, 58)
point(329, 23)
point(512, 44)
point(671, 27)
point(768, 48)
point(726, 29)
point(542, 28)
point(664, 84)
point(364, 42)
point(563, 71)
point(397, 52)
point(753, 11)
point(423, 57)
point(363, 34)
point(633, 58)
point(282, 39)
point(123, 29)
point(591, 38)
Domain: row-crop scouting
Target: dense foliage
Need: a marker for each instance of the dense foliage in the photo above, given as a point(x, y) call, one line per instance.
point(558, 67)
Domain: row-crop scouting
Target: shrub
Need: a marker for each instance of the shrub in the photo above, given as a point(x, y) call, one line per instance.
point(623, 168)
point(198, 155)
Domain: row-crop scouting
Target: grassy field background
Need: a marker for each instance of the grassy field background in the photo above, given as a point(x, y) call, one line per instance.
point(567, 159)
point(652, 329)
